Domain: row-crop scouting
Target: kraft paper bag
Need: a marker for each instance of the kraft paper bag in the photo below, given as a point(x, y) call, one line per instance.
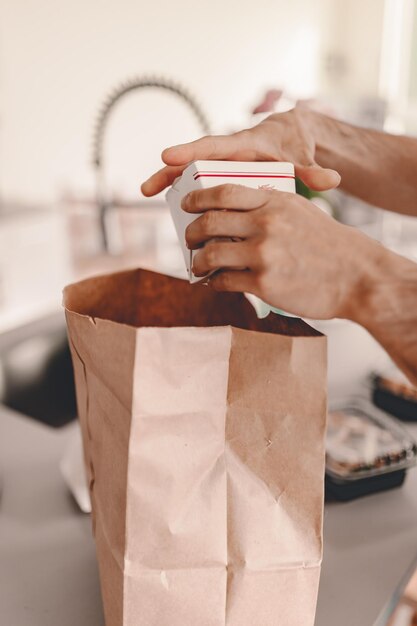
point(203, 431)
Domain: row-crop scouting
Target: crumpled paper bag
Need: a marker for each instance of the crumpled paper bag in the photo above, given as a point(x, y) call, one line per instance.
point(203, 431)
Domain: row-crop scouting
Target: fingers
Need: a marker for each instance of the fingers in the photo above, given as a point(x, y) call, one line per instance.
point(241, 281)
point(218, 224)
point(218, 147)
point(160, 180)
point(224, 255)
point(235, 197)
point(318, 178)
point(210, 147)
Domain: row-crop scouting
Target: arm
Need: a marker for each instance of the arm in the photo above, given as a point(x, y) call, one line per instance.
point(387, 308)
point(374, 166)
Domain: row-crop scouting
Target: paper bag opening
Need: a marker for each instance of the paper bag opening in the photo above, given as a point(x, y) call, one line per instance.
point(143, 298)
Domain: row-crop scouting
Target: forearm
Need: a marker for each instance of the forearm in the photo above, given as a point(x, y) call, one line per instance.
point(386, 305)
point(375, 166)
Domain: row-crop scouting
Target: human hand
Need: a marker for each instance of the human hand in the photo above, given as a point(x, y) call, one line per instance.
point(288, 252)
point(286, 136)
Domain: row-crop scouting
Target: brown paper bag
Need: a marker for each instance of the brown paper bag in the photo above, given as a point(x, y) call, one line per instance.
point(203, 431)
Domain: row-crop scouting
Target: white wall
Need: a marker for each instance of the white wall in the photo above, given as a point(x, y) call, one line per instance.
point(354, 37)
point(58, 59)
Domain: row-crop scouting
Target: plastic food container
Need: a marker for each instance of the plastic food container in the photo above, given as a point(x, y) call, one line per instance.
point(366, 451)
point(393, 393)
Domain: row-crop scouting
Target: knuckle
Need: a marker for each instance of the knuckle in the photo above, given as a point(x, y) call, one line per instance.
point(226, 192)
point(290, 200)
point(223, 281)
point(194, 199)
point(267, 221)
point(306, 156)
point(208, 222)
point(209, 142)
point(212, 256)
point(261, 251)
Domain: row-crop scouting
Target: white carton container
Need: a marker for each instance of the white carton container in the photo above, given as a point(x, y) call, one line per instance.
point(204, 174)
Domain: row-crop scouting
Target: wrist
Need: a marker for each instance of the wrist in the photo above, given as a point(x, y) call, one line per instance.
point(365, 261)
point(379, 276)
point(385, 303)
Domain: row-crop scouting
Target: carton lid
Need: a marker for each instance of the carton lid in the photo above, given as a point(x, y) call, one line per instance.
point(240, 169)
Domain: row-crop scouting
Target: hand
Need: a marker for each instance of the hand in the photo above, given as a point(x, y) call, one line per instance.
point(289, 253)
point(281, 137)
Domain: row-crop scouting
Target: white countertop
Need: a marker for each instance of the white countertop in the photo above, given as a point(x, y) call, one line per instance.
point(48, 572)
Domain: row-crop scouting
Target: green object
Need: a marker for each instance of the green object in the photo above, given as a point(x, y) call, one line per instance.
point(281, 312)
point(305, 191)
point(263, 309)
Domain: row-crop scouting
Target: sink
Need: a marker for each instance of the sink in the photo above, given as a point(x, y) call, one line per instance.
point(36, 376)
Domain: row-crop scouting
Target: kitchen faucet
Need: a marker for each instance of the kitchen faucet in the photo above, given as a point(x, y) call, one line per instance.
point(103, 201)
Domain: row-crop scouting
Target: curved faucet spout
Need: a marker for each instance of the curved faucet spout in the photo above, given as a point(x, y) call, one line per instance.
point(113, 98)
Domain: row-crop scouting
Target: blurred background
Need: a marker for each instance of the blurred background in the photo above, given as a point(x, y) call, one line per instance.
point(61, 62)
point(80, 127)
point(90, 94)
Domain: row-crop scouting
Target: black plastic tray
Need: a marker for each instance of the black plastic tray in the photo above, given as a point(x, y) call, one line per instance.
point(345, 490)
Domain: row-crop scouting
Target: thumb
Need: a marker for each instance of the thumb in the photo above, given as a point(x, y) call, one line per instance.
point(318, 178)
